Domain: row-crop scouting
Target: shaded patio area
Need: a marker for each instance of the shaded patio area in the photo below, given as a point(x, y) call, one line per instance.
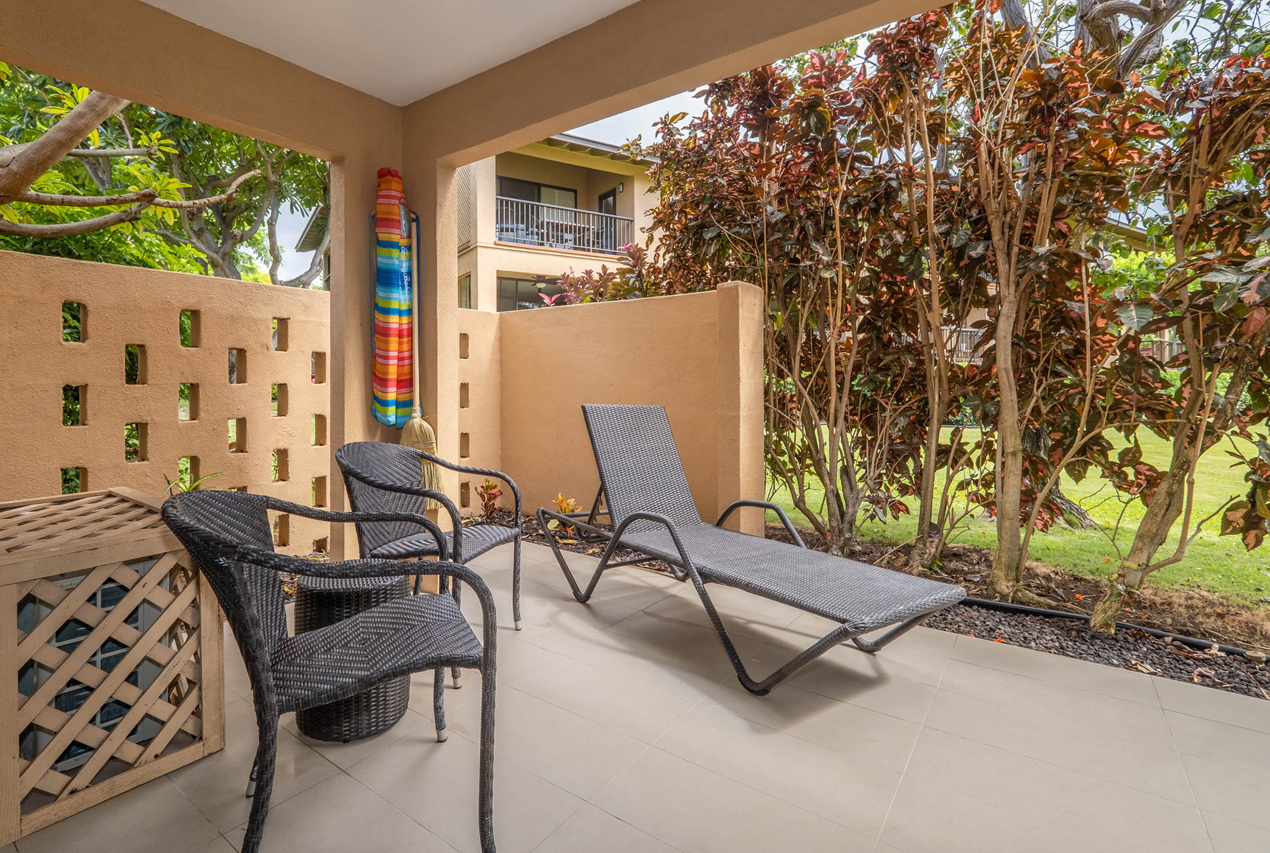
point(621, 728)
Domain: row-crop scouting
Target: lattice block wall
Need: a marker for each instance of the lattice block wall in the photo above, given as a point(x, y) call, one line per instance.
point(112, 646)
point(239, 387)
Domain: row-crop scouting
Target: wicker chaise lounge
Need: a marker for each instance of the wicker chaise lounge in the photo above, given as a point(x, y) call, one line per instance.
point(652, 512)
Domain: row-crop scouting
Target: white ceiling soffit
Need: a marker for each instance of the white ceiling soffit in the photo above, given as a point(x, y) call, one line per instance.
point(397, 50)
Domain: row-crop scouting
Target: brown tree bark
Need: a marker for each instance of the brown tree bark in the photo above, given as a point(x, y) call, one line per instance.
point(21, 165)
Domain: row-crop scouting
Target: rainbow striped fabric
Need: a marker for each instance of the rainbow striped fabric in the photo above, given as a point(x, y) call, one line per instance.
point(393, 377)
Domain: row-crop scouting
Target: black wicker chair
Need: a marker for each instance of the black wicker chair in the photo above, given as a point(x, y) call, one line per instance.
point(228, 535)
point(382, 477)
point(651, 507)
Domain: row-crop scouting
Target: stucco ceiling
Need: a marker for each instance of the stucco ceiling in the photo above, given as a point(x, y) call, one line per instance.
point(398, 50)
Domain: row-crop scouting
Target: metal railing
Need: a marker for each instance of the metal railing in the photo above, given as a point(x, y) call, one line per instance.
point(534, 224)
point(967, 349)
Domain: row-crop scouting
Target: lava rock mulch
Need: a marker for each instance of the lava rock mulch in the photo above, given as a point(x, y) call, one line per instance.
point(1127, 649)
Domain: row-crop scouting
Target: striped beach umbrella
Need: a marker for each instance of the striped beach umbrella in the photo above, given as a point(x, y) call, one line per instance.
point(393, 377)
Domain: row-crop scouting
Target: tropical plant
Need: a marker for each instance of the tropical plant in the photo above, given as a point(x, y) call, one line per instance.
point(489, 493)
point(1212, 182)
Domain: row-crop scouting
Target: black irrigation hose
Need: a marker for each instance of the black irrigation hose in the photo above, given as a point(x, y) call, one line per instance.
point(1007, 607)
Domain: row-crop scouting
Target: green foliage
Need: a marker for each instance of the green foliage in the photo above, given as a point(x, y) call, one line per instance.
point(188, 160)
point(811, 179)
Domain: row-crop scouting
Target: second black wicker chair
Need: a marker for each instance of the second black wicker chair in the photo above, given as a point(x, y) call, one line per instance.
point(228, 535)
point(383, 477)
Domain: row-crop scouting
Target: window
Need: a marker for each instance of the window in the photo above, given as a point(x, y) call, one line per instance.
point(237, 366)
point(134, 364)
point(188, 328)
point(465, 291)
point(74, 321)
point(280, 327)
point(187, 401)
point(518, 294)
point(74, 405)
point(541, 193)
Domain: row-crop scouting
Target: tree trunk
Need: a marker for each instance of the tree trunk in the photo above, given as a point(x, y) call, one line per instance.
point(1005, 563)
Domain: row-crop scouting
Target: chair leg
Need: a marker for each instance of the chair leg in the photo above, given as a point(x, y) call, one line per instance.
point(516, 584)
point(438, 702)
point(874, 646)
point(761, 688)
point(486, 797)
point(266, 760)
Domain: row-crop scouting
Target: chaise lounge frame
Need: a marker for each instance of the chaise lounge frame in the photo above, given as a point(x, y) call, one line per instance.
point(634, 446)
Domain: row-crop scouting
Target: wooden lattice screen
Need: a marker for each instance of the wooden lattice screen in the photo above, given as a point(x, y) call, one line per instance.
point(113, 655)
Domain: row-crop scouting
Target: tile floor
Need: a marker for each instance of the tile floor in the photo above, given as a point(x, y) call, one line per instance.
point(621, 727)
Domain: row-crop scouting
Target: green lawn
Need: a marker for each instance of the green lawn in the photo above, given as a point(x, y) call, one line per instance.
point(1213, 563)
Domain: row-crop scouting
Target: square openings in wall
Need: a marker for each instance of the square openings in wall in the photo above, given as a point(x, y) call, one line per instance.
point(282, 530)
point(465, 445)
point(319, 491)
point(278, 397)
point(318, 431)
point(465, 494)
point(280, 472)
point(237, 435)
point(463, 345)
point(317, 364)
point(237, 366)
point(134, 364)
point(279, 343)
point(188, 329)
point(187, 401)
point(321, 546)
point(134, 442)
point(465, 399)
point(74, 480)
point(74, 322)
point(74, 405)
point(187, 472)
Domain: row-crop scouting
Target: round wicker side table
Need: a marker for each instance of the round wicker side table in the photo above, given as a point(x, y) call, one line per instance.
point(324, 601)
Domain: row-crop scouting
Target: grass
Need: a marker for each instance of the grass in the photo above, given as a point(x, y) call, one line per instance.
point(1213, 563)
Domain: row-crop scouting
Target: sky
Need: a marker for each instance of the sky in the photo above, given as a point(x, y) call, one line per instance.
point(290, 226)
point(623, 127)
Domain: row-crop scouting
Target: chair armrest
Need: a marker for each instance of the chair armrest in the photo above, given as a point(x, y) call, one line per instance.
point(688, 569)
point(279, 505)
point(571, 519)
point(377, 569)
point(484, 472)
point(789, 526)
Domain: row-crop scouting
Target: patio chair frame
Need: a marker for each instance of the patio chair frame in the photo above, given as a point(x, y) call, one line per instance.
point(686, 570)
point(213, 553)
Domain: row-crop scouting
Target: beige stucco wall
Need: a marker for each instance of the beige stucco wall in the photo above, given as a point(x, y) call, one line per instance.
point(127, 306)
point(699, 355)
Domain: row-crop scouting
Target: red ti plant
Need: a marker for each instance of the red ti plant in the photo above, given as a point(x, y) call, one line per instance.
point(1048, 147)
point(489, 493)
point(1212, 180)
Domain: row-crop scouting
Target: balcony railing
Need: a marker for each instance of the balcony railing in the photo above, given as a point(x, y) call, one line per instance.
point(534, 224)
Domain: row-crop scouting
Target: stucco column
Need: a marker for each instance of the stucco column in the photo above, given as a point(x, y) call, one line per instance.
point(431, 188)
point(740, 403)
